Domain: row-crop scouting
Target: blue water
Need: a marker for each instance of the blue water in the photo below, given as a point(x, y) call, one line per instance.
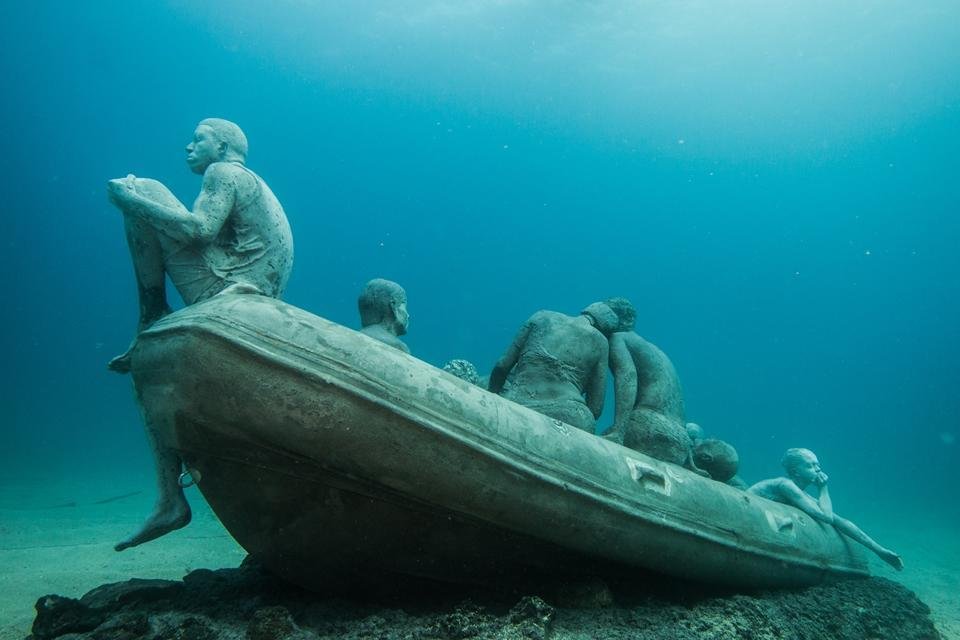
point(773, 184)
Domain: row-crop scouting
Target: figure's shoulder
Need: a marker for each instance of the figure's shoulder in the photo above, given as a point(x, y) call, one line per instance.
point(601, 341)
point(640, 343)
point(766, 488)
point(777, 489)
point(649, 352)
point(628, 339)
point(542, 316)
point(618, 339)
point(221, 171)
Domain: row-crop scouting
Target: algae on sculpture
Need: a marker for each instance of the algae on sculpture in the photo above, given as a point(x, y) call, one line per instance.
point(465, 370)
point(236, 239)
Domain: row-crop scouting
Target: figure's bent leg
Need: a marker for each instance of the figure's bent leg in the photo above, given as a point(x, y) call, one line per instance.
point(171, 511)
point(657, 435)
point(146, 253)
point(691, 464)
point(571, 411)
point(848, 528)
point(613, 434)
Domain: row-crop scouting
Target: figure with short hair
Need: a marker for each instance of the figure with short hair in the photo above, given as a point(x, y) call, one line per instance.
point(648, 399)
point(235, 239)
point(557, 365)
point(803, 469)
point(718, 458)
point(383, 312)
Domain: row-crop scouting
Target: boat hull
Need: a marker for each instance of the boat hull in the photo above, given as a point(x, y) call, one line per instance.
point(331, 456)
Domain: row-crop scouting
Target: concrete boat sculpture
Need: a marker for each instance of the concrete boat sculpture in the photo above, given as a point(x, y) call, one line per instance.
point(330, 455)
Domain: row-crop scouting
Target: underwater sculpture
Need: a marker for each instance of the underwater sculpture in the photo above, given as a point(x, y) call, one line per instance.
point(383, 312)
point(648, 414)
point(695, 431)
point(236, 239)
point(718, 458)
point(557, 365)
point(803, 469)
point(308, 436)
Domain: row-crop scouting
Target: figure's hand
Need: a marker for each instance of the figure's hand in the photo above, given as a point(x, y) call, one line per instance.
point(122, 190)
point(821, 479)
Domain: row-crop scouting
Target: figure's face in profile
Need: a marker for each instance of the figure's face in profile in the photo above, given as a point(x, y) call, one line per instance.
point(806, 468)
point(403, 318)
point(203, 150)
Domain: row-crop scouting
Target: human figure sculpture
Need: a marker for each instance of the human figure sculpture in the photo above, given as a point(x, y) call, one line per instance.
point(695, 431)
point(557, 365)
point(715, 457)
point(648, 399)
point(803, 469)
point(236, 239)
point(383, 312)
point(718, 458)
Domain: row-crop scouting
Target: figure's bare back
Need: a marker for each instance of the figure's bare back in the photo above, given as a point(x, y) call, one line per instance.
point(658, 385)
point(560, 354)
point(567, 338)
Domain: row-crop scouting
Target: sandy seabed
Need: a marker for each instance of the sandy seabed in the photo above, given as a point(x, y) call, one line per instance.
point(57, 536)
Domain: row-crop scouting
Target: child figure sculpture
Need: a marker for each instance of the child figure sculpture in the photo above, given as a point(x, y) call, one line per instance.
point(803, 469)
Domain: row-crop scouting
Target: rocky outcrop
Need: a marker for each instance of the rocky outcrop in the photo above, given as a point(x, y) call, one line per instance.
point(248, 603)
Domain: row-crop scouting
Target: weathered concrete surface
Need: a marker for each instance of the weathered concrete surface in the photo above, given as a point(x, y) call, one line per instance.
point(249, 603)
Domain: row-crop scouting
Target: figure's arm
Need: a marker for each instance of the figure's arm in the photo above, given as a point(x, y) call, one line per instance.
point(847, 528)
point(624, 379)
point(597, 384)
point(824, 501)
point(510, 357)
point(792, 494)
point(211, 209)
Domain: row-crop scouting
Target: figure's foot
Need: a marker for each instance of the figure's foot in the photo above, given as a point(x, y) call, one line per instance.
point(891, 559)
point(161, 522)
point(121, 363)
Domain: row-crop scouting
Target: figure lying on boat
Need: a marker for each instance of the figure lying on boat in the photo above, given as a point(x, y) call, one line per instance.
point(803, 469)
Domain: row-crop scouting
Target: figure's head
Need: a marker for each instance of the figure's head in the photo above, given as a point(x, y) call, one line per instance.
point(695, 432)
point(626, 313)
point(602, 317)
point(801, 466)
point(717, 458)
point(216, 140)
point(384, 302)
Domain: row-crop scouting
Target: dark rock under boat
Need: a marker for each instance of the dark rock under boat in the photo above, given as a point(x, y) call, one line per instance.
point(251, 603)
